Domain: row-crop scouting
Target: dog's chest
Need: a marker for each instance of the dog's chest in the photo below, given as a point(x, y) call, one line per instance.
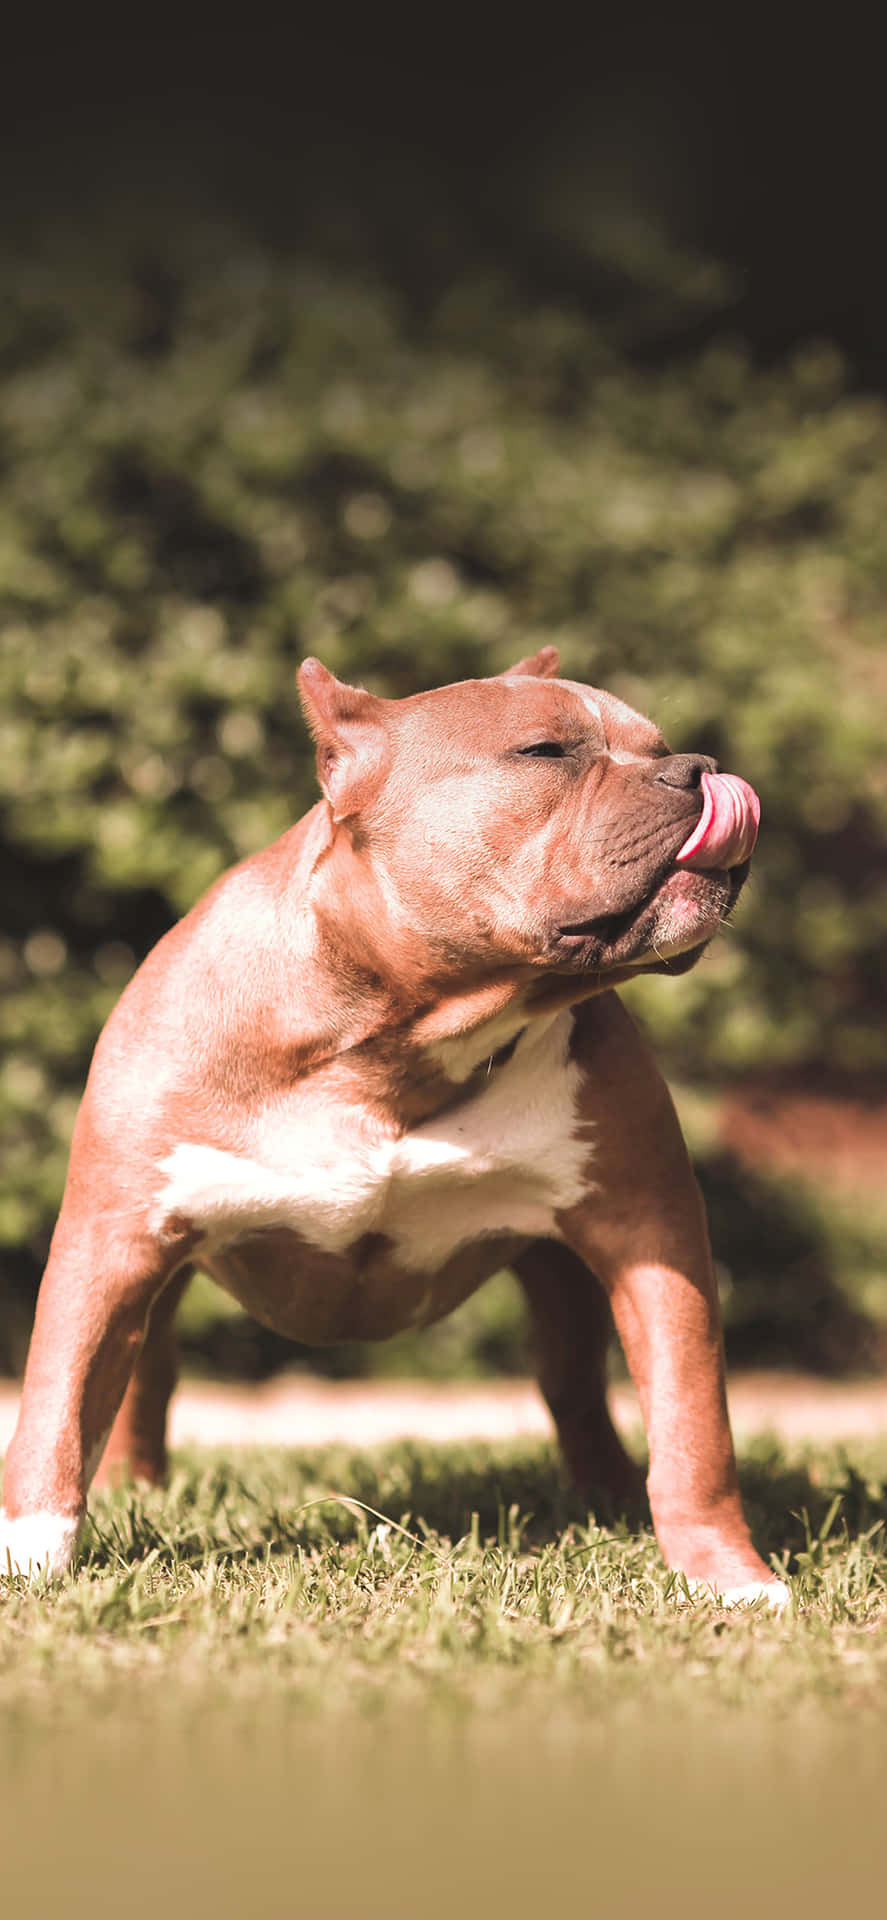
point(504, 1160)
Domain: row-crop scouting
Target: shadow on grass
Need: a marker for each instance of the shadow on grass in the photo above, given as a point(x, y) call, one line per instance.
point(281, 1503)
point(788, 1506)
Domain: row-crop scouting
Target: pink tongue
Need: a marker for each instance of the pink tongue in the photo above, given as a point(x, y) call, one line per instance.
point(727, 827)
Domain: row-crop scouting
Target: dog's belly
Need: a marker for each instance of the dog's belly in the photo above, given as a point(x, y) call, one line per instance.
point(319, 1211)
point(322, 1298)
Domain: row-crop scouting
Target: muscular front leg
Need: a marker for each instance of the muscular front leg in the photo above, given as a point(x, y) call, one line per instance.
point(571, 1326)
point(93, 1307)
point(642, 1230)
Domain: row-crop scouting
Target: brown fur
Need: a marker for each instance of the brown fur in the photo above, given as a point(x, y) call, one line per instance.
point(448, 884)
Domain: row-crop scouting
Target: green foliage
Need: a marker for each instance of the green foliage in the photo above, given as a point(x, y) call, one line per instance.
point(213, 467)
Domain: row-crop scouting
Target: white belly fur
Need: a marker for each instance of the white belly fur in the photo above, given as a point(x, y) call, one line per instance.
point(505, 1161)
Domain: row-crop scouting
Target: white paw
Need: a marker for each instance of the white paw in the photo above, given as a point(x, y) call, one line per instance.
point(38, 1543)
point(775, 1592)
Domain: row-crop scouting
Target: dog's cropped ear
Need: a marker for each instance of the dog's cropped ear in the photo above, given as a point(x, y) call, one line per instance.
point(352, 742)
point(543, 665)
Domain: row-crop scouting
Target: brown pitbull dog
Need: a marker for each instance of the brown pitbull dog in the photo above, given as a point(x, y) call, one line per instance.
point(383, 1059)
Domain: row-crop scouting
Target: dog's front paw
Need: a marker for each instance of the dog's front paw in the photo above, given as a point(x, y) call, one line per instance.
point(37, 1543)
point(774, 1592)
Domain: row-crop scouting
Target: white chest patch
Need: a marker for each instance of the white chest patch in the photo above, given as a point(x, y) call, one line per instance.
point(505, 1161)
point(460, 1056)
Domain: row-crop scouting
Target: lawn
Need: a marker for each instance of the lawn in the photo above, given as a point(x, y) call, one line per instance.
point(445, 1689)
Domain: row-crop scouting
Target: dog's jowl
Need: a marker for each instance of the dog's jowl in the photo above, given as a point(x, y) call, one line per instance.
point(384, 1058)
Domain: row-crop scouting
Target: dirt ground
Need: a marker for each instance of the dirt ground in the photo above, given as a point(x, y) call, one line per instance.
point(299, 1411)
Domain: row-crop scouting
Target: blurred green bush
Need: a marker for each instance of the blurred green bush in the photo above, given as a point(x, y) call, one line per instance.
point(213, 462)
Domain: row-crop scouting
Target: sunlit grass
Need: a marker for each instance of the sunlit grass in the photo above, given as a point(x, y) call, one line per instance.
point(418, 1570)
point(423, 1677)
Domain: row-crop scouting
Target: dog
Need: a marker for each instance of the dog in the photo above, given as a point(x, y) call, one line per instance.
point(384, 1058)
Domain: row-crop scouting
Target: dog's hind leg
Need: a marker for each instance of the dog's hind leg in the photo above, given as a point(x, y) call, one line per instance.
point(136, 1447)
point(571, 1327)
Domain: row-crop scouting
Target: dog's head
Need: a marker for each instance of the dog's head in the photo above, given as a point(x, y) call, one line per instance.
point(530, 819)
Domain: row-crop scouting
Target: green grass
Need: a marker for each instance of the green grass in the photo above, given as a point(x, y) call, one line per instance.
point(256, 1698)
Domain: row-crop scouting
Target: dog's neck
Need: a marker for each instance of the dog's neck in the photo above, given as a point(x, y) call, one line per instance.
point(408, 1027)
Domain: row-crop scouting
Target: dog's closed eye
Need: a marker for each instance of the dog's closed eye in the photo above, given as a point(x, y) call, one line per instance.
point(545, 750)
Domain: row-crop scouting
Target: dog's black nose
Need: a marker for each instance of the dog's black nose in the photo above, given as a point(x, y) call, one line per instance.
point(685, 769)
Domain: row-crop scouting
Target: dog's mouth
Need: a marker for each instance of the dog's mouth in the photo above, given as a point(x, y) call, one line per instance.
point(676, 917)
point(687, 896)
point(608, 929)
